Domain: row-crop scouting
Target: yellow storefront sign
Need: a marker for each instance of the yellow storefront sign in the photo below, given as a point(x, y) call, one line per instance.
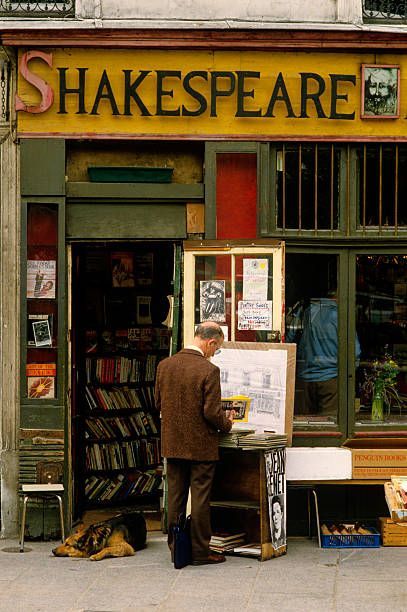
point(204, 94)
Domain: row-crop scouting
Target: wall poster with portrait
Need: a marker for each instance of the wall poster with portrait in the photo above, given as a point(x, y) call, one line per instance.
point(380, 97)
point(275, 460)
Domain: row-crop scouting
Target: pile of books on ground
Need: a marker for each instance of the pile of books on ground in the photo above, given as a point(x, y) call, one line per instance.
point(226, 542)
point(246, 438)
point(396, 497)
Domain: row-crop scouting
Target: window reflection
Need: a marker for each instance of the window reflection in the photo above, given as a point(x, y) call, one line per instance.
point(312, 323)
point(381, 322)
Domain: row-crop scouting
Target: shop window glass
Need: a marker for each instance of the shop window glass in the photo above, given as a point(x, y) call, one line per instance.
point(381, 323)
point(312, 323)
point(42, 320)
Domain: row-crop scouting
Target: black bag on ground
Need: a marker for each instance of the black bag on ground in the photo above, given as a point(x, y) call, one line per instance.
point(181, 538)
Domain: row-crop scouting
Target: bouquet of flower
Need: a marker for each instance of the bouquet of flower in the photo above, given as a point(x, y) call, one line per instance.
point(380, 385)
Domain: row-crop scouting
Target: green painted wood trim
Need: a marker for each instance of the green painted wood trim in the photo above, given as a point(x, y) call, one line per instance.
point(42, 168)
point(178, 264)
point(35, 417)
point(211, 150)
point(134, 191)
point(125, 221)
point(59, 400)
point(266, 190)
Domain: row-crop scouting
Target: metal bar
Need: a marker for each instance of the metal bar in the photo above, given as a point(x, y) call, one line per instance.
point(299, 188)
point(364, 190)
point(332, 185)
point(396, 190)
point(284, 189)
point(380, 186)
point(316, 189)
point(348, 190)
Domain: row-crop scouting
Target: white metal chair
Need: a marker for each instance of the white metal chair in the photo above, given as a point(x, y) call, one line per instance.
point(47, 472)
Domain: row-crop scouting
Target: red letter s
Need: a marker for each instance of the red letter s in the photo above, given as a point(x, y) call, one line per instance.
point(47, 95)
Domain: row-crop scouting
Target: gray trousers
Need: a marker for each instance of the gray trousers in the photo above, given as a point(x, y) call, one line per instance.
point(183, 474)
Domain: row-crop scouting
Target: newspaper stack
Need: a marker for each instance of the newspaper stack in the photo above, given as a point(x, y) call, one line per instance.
point(232, 438)
point(262, 441)
point(221, 542)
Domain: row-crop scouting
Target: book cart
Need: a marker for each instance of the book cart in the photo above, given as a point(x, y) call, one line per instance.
point(240, 501)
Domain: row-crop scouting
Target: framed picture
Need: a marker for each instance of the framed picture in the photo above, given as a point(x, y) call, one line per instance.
point(122, 269)
point(143, 310)
point(380, 91)
point(42, 333)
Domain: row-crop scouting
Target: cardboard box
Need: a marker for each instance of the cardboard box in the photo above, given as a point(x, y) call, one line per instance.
point(394, 502)
point(393, 533)
point(378, 458)
point(318, 463)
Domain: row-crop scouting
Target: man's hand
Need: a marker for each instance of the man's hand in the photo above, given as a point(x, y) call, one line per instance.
point(230, 415)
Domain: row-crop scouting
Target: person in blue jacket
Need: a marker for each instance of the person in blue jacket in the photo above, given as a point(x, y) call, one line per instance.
point(317, 354)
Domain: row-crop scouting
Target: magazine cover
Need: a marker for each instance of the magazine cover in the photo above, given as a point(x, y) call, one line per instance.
point(41, 380)
point(122, 269)
point(41, 278)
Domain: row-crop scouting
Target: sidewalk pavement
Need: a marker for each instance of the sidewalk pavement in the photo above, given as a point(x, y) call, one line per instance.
point(306, 579)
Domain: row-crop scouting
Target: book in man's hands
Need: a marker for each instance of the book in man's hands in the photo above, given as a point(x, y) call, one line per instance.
point(240, 404)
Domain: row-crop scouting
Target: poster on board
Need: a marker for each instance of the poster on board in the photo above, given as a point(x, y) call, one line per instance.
point(276, 494)
point(212, 301)
point(265, 373)
point(255, 279)
point(259, 375)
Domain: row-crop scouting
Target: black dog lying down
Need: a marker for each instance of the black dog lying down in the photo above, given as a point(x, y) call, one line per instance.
point(119, 536)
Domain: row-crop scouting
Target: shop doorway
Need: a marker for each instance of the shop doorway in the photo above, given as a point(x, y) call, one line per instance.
point(121, 312)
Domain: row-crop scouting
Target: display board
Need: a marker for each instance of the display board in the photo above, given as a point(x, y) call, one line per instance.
point(264, 372)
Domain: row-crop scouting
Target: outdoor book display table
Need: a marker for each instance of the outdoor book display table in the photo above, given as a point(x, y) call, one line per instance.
point(240, 500)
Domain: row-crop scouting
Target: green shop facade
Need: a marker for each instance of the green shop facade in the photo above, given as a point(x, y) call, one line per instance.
point(223, 157)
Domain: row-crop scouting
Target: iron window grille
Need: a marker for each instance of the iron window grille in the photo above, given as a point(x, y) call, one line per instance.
point(33, 8)
point(385, 10)
point(327, 189)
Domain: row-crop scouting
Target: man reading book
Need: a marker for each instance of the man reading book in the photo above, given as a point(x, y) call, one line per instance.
point(187, 393)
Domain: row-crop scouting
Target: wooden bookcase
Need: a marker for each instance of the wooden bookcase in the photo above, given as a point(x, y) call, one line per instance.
point(239, 498)
point(119, 341)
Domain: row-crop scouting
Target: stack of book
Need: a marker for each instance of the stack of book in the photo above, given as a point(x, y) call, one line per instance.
point(232, 438)
point(252, 550)
point(222, 542)
point(263, 440)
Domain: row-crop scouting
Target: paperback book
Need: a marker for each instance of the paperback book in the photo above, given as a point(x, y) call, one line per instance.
point(41, 380)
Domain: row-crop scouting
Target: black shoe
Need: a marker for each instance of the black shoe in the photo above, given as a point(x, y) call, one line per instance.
point(210, 559)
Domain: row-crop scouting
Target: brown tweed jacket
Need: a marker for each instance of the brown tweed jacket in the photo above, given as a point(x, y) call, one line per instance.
point(187, 392)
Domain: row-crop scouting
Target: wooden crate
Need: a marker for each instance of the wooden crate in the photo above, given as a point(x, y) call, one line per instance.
point(393, 533)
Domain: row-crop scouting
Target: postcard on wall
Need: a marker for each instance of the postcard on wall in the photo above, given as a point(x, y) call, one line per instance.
point(212, 301)
point(34, 318)
point(260, 376)
point(255, 279)
point(380, 91)
point(143, 266)
point(276, 493)
point(255, 315)
point(144, 310)
point(122, 269)
point(41, 278)
point(41, 380)
point(42, 333)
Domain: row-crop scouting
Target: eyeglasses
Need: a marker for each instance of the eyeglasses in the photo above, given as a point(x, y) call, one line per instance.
point(217, 351)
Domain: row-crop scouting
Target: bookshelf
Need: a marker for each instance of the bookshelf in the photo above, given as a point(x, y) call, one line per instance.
point(119, 341)
point(239, 499)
